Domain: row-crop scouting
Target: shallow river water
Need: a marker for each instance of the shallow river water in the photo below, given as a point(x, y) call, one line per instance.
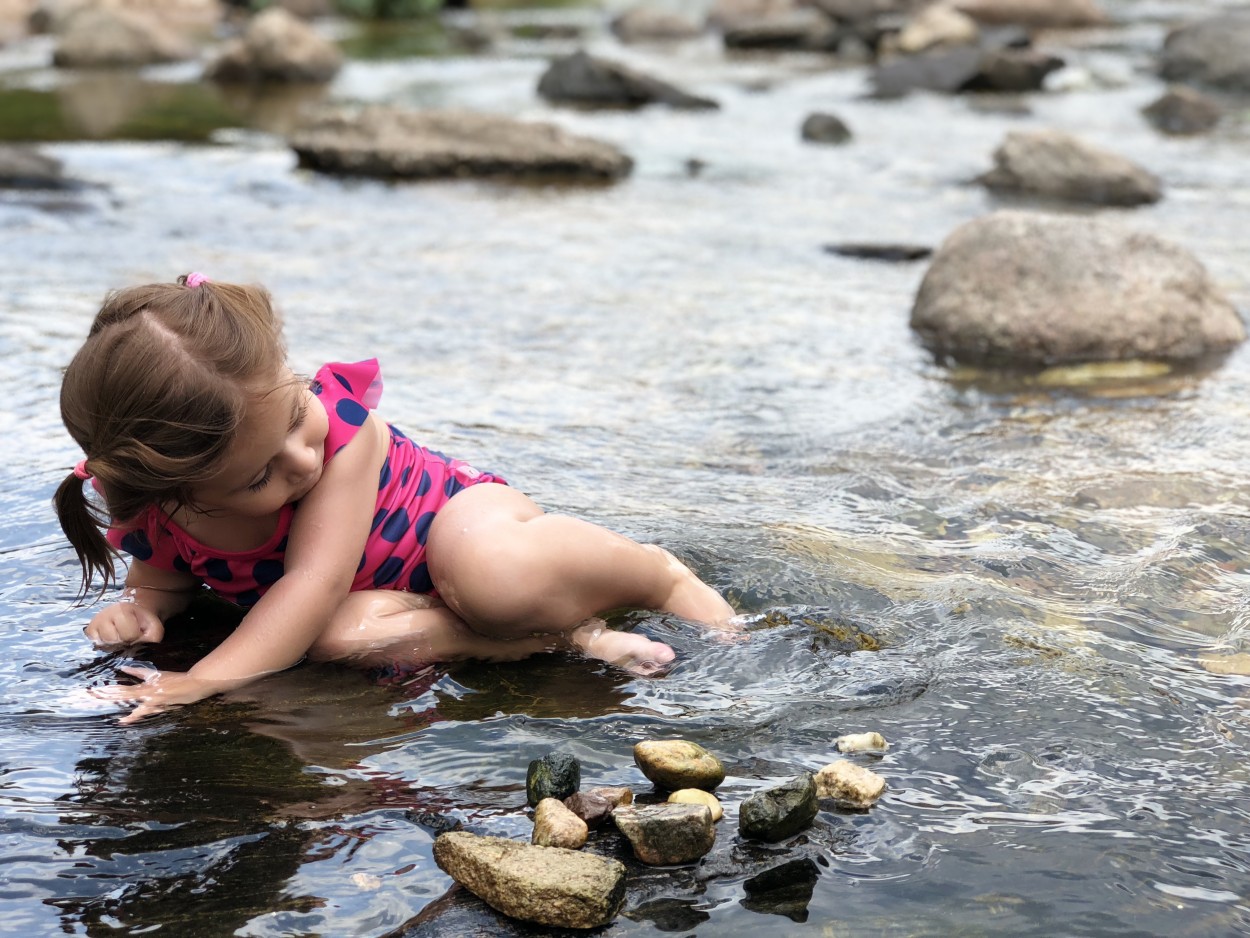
point(1043, 566)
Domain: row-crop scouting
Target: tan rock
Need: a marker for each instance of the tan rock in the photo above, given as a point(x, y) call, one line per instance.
point(664, 834)
point(848, 782)
point(546, 885)
point(614, 795)
point(937, 25)
point(675, 764)
point(862, 742)
point(698, 796)
point(557, 826)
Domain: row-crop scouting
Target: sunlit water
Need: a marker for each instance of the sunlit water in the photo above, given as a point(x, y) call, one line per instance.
point(674, 356)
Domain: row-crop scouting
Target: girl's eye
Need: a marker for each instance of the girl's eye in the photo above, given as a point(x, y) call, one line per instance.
point(262, 481)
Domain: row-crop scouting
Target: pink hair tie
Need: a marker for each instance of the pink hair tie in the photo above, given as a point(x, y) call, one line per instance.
point(195, 279)
point(81, 471)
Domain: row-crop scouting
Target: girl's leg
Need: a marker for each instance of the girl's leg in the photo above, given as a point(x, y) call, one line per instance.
point(509, 570)
point(376, 628)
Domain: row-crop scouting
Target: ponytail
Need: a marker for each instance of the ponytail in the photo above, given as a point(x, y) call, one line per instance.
point(82, 522)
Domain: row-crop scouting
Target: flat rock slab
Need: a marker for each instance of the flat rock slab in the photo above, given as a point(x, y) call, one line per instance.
point(395, 143)
point(547, 885)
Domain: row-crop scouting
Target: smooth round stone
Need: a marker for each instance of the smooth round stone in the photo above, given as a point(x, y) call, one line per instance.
point(698, 796)
point(674, 764)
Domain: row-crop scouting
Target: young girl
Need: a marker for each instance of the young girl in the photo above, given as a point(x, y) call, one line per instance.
point(343, 539)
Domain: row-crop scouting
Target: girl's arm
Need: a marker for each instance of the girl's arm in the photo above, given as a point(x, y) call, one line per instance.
point(151, 595)
point(327, 538)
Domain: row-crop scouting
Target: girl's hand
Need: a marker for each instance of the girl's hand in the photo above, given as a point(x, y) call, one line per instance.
point(124, 623)
point(158, 691)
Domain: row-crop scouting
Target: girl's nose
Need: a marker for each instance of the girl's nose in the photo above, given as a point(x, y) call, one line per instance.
point(301, 460)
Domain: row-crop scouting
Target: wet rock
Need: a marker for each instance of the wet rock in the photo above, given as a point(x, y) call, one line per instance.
point(880, 252)
point(1028, 288)
point(615, 795)
point(1036, 14)
point(1213, 51)
point(395, 143)
point(780, 812)
point(277, 47)
point(547, 885)
point(804, 29)
point(825, 128)
point(965, 69)
point(586, 80)
point(557, 826)
point(556, 775)
point(937, 25)
point(665, 834)
point(1057, 165)
point(850, 784)
point(862, 742)
point(103, 37)
point(654, 24)
point(674, 764)
point(698, 796)
point(1181, 111)
point(785, 889)
point(592, 809)
point(24, 167)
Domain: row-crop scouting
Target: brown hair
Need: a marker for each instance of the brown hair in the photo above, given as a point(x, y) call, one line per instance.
point(154, 398)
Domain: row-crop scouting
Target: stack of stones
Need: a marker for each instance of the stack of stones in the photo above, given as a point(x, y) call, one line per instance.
point(549, 881)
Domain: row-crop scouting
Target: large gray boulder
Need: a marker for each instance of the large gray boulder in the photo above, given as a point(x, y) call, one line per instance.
point(1033, 289)
point(548, 885)
point(1057, 165)
point(392, 142)
point(105, 37)
point(1213, 51)
point(277, 47)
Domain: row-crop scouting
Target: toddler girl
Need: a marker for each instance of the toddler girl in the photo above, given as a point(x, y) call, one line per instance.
point(342, 538)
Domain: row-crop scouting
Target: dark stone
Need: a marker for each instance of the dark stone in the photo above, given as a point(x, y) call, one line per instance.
point(555, 775)
point(880, 252)
point(1183, 111)
point(785, 889)
point(965, 69)
point(583, 79)
point(23, 167)
point(591, 808)
point(780, 812)
point(825, 128)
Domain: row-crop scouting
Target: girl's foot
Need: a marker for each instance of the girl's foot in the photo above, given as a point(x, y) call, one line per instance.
point(635, 653)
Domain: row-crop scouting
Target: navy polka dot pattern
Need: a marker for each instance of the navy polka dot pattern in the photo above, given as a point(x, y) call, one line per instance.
point(413, 484)
point(136, 544)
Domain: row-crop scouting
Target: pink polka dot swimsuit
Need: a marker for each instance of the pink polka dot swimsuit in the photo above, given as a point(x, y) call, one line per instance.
point(413, 485)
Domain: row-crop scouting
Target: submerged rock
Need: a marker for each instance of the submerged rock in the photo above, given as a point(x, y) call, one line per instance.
point(965, 69)
point(277, 47)
point(1214, 51)
point(556, 775)
point(779, 812)
point(785, 889)
point(674, 764)
point(850, 784)
point(1034, 289)
point(1058, 165)
point(557, 826)
point(24, 167)
point(665, 834)
point(880, 252)
point(804, 29)
point(1182, 111)
point(862, 742)
point(547, 885)
point(586, 80)
point(395, 143)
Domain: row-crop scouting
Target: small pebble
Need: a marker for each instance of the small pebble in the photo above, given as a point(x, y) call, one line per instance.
point(698, 796)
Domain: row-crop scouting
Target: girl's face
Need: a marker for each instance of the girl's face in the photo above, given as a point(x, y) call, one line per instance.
point(276, 457)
